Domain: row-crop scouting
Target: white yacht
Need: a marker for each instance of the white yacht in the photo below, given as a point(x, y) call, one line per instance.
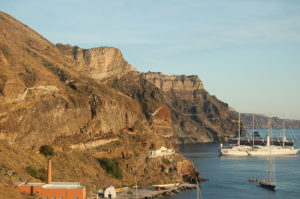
point(239, 150)
point(258, 150)
point(271, 149)
point(235, 150)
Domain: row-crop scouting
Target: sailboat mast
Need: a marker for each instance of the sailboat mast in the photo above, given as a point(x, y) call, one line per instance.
point(283, 133)
point(239, 141)
point(253, 128)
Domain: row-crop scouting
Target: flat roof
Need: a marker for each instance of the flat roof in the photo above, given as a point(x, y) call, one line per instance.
point(63, 186)
point(30, 184)
point(55, 185)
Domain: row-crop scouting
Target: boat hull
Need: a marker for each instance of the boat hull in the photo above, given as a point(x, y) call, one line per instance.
point(235, 151)
point(275, 151)
point(267, 186)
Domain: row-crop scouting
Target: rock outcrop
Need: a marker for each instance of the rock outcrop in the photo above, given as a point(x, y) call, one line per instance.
point(176, 82)
point(197, 116)
point(98, 63)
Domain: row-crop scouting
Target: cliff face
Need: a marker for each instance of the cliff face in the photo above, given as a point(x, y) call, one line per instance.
point(262, 121)
point(197, 116)
point(167, 83)
point(98, 63)
point(47, 96)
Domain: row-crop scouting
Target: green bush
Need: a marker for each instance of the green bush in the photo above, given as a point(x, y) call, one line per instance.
point(38, 174)
point(47, 151)
point(31, 171)
point(111, 166)
point(166, 161)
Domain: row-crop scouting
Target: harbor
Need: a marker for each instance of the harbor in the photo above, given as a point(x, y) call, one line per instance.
point(228, 176)
point(146, 192)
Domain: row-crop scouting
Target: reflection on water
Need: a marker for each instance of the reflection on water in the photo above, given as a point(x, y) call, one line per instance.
point(228, 176)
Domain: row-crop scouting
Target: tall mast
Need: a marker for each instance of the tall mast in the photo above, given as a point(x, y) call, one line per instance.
point(253, 128)
point(283, 133)
point(239, 141)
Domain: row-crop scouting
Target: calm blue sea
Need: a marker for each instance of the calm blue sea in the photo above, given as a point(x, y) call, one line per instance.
point(228, 176)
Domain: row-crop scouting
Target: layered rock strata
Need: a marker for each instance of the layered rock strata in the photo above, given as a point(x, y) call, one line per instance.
point(197, 116)
point(98, 63)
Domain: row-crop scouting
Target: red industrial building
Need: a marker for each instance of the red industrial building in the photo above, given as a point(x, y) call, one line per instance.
point(54, 190)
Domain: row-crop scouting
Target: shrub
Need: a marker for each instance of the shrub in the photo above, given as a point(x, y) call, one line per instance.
point(38, 174)
point(111, 166)
point(166, 161)
point(47, 151)
point(31, 171)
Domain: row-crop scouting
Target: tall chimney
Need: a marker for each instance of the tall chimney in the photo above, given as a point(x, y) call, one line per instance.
point(49, 179)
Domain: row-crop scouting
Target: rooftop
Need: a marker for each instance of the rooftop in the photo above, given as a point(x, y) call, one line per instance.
point(56, 185)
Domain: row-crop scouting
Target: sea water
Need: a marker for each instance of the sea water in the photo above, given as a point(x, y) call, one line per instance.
point(228, 176)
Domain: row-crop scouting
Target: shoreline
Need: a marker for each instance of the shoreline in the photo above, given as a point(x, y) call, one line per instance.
point(153, 191)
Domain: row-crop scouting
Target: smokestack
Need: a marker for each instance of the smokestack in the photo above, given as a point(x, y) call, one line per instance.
point(49, 179)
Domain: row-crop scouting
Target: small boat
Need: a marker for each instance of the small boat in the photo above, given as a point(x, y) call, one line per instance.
point(267, 184)
point(270, 181)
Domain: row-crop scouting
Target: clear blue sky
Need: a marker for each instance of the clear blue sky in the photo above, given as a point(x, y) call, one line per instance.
point(246, 52)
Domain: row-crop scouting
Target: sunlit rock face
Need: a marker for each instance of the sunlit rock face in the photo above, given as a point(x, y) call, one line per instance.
point(98, 63)
point(174, 82)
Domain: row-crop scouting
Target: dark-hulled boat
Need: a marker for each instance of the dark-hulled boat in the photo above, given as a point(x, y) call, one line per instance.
point(267, 184)
point(262, 141)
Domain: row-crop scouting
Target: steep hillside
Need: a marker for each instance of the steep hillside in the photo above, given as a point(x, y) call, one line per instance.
point(47, 97)
point(197, 116)
point(262, 121)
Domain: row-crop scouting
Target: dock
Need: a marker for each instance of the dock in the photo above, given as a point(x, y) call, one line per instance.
point(153, 191)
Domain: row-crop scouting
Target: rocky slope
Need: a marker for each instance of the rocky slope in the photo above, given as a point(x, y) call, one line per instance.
point(197, 116)
point(261, 121)
point(51, 95)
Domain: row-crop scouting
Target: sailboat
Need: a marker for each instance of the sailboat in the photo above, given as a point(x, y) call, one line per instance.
point(276, 150)
point(236, 150)
point(270, 181)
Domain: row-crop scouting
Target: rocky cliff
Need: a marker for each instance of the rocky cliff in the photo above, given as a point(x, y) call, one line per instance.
point(262, 121)
point(52, 95)
point(98, 63)
point(167, 83)
point(197, 116)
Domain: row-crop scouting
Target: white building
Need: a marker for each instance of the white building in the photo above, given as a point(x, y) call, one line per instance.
point(110, 192)
point(161, 152)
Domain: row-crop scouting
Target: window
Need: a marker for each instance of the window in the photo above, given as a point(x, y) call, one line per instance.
point(61, 197)
point(53, 197)
point(75, 197)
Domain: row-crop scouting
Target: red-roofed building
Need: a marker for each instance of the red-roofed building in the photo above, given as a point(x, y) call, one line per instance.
point(54, 190)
